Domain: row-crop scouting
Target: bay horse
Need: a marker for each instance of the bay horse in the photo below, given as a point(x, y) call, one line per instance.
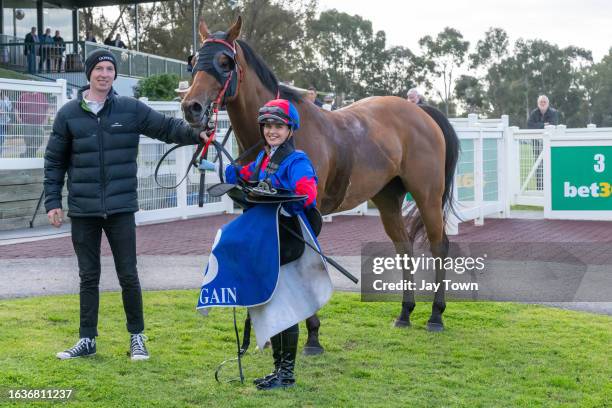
point(378, 148)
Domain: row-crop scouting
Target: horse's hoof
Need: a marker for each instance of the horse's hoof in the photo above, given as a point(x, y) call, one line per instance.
point(435, 327)
point(401, 323)
point(313, 350)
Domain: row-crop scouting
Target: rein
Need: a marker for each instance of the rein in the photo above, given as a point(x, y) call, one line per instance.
point(198, 159)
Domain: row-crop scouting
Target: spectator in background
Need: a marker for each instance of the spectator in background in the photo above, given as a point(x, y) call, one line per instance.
point(183, 88)
point(46, 46)
point(347, 102)
point(328, 102)
point(543, 115)
point(90, 37)
point(118, 43)
point(108, 41)
point(415, 96)
point(311, 95)
point(31, 109)
point(6, 108)
point(31, 49)
point(59, 46)
point(190, 63)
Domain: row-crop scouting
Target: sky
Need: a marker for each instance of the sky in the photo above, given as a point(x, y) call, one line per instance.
point(583, 23)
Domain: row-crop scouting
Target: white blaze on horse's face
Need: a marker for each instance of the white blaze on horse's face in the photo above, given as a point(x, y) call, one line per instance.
point(276, 134)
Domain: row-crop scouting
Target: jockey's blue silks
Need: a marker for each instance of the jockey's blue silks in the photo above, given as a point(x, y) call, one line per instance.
point(243, 271)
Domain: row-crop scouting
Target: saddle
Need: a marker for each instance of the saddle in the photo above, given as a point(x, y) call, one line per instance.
point(250, 193)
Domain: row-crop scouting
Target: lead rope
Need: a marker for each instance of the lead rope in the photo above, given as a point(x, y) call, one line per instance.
point(238, 357)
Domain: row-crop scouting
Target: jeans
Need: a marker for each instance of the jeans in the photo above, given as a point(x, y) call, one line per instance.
point(120, 230)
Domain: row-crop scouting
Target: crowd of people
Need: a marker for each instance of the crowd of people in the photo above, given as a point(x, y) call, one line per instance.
point(46, 53)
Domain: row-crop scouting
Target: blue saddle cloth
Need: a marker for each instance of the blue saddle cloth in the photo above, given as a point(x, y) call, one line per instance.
point(244, 264)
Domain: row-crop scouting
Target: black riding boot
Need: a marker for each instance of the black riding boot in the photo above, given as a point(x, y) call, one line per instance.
point(285, 376)
point(276, 355)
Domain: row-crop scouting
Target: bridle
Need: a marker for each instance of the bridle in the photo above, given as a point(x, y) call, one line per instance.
point(207, 61)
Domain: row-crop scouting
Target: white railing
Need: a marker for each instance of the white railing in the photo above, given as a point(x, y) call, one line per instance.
point(499, 166)
point(525, 166)
point(156, 203)
point(27, 112)
point(480, 176)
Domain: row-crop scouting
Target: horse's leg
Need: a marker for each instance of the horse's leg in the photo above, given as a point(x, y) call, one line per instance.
point(389, 202)
point(432, 215)
point(312, 346)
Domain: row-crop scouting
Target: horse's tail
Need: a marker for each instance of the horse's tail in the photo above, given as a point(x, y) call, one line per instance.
point(450, 164)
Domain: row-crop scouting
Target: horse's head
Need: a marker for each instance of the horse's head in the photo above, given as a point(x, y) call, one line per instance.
point(215, 73)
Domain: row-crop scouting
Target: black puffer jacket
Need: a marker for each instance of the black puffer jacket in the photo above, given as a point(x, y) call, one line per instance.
point(99, 153)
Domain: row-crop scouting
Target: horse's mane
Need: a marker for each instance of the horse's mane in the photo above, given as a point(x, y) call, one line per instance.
point(265, 74)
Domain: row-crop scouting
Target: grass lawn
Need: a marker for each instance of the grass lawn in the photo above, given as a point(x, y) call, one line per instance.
point(6, 73)
point(492, 354)
point(520, 207)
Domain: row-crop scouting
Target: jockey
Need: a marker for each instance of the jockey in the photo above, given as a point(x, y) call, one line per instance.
point(282, 166)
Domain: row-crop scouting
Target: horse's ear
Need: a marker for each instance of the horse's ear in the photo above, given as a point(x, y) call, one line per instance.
point(234, 30)
point(204, 32)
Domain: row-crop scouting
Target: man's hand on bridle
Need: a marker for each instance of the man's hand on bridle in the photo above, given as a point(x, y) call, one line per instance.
point(203, 137)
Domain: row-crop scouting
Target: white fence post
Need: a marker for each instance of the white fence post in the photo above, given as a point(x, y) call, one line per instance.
point(63, 98)
point(514, 170)
point(472, 119)
point(547, 168)
point(479, 178)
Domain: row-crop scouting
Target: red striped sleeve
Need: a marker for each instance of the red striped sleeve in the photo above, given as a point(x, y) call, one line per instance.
point(307, 186)
point(245, 172)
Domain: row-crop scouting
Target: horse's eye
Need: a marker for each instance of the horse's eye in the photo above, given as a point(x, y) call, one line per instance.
point(225, 63)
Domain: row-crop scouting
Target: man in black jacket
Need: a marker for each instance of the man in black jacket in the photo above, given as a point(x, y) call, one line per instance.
point(543, 115)
point(31, 49)
point(95, 140)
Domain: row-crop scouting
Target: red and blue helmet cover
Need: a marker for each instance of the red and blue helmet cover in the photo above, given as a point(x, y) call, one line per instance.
point(280, 111)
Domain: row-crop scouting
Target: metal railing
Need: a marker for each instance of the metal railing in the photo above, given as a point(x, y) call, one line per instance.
point(46, 58)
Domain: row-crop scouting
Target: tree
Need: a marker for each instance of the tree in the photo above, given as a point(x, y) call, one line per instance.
point(512, 82)
point(342, 53)
point(158, 87)
point(599, 82)
point(444, 54)
point(336, 43)
point(470, 92)
point(490, 50)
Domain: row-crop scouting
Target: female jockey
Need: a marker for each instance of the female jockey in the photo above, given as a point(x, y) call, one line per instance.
point(282, 166)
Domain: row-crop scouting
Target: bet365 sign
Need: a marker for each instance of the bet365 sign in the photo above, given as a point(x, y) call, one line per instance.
point(581, 178)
